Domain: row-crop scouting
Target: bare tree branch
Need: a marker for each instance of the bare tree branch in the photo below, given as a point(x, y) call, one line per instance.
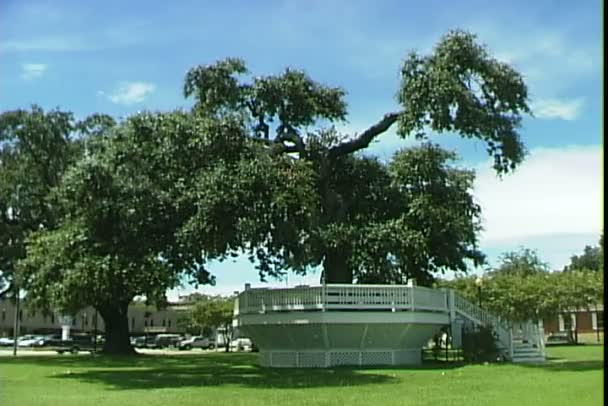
point(366, 137)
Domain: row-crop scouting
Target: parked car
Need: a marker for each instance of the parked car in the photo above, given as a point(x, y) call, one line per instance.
point(29, 340)
point(144, 341)
point(48, 342)
point(167, 340)
point(559, 338)
point(41, 341)
point(241, 344)
point(204, 343)
point(76, 344)
point(6, 341)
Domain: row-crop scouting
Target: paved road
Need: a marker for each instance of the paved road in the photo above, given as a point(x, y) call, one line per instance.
point(25, 352)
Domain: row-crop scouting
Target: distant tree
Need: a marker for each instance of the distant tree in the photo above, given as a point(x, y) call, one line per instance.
point(213, 312)
point(195, 319)
point(523, 262)
point(592, 258)
point(525, 295)
point(602, 252)
point(512, 296)
point(578, 290)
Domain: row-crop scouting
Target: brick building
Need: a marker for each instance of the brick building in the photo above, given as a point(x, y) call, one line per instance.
point(585, 321)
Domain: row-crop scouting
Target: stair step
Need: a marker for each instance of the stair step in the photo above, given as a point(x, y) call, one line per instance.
point(525, 350)
point(536, 360)
point(527, 354)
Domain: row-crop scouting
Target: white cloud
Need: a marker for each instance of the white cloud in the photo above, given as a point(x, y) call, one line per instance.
point(47, 44)
point(128, 93)
point(32, 71)
point(554, 192)
point(558, 109)
point(550, 61)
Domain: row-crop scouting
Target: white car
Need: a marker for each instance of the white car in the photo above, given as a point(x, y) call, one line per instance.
point(30, 341)
point(203, 343)
point(240, 344)
point(6, 342)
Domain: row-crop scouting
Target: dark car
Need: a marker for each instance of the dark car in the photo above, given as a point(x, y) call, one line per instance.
point(167, 340)
point(48, 341)
point(144, 342)
point(561, 338)
point(77, 343)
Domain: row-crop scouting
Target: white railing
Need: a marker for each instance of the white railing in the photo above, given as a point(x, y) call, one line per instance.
point(341, 297)
point(534, 335)
point(268, 300)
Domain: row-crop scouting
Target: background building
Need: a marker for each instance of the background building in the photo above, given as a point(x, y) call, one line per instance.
point(585, 321)
point(142, 319)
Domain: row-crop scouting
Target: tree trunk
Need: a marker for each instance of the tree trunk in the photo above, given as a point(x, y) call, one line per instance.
point(336, 269)
point(117, 330)
point(576, 327)
point(227, 342)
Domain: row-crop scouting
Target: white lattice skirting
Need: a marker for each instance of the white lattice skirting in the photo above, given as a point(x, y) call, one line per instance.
point(324, 359)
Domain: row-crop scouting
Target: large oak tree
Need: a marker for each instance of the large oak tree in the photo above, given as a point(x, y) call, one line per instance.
point(36, 148)
point(124, 205)
point(376, 222)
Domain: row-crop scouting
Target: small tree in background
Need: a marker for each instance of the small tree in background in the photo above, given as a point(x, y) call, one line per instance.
point(521, 288)
point(213, 312)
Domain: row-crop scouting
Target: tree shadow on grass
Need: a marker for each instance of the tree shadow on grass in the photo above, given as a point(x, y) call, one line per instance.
point(177, 371)
point(561, 365)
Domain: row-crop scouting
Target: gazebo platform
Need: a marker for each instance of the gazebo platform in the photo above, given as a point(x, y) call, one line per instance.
point(332, 325)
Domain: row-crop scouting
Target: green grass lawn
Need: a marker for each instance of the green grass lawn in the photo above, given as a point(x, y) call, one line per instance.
point(573, 375)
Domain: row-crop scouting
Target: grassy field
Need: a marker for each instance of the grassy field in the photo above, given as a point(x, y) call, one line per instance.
point(573, 375)
point(591, 338)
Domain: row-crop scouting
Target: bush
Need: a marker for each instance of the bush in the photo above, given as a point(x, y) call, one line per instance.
point(479, 344)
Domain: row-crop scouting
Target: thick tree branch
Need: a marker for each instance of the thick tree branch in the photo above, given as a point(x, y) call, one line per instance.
point(366, 137)
point(263, 127)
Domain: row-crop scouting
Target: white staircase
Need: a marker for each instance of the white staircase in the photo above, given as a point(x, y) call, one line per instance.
point(528, 343)
point(524, 352)
point(523, 343)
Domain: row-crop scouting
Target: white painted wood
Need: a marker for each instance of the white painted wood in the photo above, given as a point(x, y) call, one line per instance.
point(317, 317)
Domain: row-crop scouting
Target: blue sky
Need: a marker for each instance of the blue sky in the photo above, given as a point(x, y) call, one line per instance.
point(122, 57)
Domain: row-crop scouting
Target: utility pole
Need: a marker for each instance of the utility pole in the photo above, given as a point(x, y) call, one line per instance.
point(95, 331)
point(16, 321)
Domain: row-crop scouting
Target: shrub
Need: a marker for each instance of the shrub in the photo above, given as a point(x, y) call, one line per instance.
point(479, 344)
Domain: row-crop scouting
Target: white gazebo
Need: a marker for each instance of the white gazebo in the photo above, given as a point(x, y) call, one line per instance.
point(332, 325)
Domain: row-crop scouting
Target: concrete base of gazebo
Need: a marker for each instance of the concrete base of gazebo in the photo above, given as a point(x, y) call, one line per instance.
point(326, 339)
